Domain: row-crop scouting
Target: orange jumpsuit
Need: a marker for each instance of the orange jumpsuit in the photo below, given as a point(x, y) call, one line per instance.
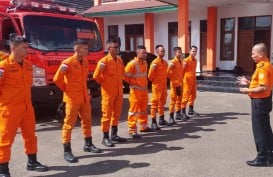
point(136, 76)
point(15, 107)
point(158, 76)
point(71, 78)
point(261, 76)
point(175, 74)
point(189, 81)
point(109, 73)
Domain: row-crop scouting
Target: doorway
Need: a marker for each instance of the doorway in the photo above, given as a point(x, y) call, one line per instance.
point(252, 30)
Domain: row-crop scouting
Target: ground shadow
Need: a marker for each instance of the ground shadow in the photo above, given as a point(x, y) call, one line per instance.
point(98, 168)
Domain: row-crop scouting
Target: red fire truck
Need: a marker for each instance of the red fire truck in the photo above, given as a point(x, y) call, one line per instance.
point(50, 27)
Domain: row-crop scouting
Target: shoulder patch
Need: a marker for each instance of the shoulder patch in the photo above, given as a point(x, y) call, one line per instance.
point(64, 67)
point(154, 66)
point(260, 65)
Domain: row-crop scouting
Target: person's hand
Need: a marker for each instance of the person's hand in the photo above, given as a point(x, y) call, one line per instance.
point(242, 80)
point(178, 91)
point(244, 90)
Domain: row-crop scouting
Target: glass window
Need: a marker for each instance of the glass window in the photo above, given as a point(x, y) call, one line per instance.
point(263, 22)
point(203, 26)
point(227, 38)
point(58, 34)
point(246, 23)
point(112, 31)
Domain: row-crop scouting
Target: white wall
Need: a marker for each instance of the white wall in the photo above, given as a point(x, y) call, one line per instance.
point(240, 11)
point(162, 19)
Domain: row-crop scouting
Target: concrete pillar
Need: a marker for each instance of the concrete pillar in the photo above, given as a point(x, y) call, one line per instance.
point(149, 32)
point(183, 25)
point(211, 38)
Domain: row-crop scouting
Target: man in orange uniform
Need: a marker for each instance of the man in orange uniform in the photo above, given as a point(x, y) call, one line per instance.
point(260, 92)
point(175, 74)
point(71, 79)
point(109, 73)
point(136, 75)
point(15, 106)
point(158, 76)
point(189, 83)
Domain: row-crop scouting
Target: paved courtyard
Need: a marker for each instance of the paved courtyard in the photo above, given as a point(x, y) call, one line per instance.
point(215, 144)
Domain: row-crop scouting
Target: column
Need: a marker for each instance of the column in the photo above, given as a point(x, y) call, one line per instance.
point(149, 32)
point(183, 25)
point(211, 38)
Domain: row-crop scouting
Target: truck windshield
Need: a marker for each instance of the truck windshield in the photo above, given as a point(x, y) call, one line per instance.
point(58, 34)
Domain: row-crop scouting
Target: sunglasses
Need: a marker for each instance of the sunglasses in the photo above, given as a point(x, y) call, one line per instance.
point(115, 47)
point(15, 38)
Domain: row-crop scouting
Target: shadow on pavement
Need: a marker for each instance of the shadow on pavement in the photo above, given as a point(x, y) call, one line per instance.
point(98, 168)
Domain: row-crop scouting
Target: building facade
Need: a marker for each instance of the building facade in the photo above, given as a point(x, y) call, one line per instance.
point(224, 31)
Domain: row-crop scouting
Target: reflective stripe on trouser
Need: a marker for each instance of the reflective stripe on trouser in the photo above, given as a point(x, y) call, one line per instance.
point(189, 95)
point(158, 101)
point(10, 120)
point(72, 111)
point(138, 111)
point(175, 102)
point(111, 110)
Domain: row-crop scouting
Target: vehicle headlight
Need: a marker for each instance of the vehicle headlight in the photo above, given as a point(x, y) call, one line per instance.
point(39, 76)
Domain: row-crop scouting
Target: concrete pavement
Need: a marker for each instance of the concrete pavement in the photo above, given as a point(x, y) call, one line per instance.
point(215, 144)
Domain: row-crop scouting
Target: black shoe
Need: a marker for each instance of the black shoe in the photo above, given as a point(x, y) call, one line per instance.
point(185, 117)
point(171, 121)
point(162, 122)
point(193, 113)
point(4, 170)
point(36, 166)
point(155, 127)
point(257, 162)
point(69, 157)
point(107, 142)
point(147, 130)
point(134, 136)
point(118, 139)
point(92, 148)
point(4, 175)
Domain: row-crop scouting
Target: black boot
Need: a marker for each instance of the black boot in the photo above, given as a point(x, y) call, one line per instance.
point(178, 116)
point(192, 112)
point(154, 125)
point(183, 114)
point(68, 156)
point(106, 141)
point(162, 121)
point(90, 147)
point(4, 170)
point(114, 135)
point(171, 120)
point(34, 165)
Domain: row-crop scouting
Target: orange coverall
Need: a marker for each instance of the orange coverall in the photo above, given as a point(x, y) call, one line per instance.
point(109, 73)
point(261, 76)
point(158, 76)
point(189, 81)
point(136, 76)
point(16, 107)
point(175, 74)
point(71, 78)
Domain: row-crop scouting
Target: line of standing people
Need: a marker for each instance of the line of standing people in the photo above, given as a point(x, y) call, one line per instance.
point(110, 72)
